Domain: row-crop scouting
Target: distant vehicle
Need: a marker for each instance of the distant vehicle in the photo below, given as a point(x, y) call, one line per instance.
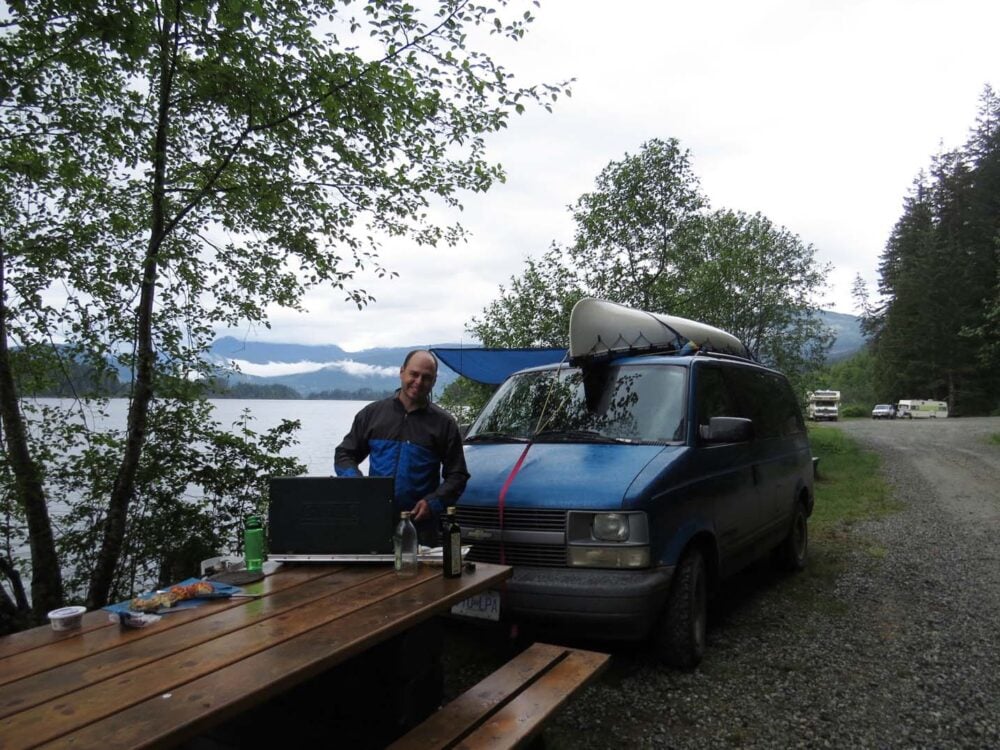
point(921, 409)
point(822, 405)
point(884, 411)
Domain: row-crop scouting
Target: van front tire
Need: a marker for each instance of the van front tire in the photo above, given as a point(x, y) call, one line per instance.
point(679, 639)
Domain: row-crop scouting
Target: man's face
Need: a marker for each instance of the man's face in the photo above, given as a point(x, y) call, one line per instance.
point(416, 378)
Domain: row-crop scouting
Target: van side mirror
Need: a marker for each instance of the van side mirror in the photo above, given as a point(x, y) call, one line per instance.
point(464, 429)
point(728, 430)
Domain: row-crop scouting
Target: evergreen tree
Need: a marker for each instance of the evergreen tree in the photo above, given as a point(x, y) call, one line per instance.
point(937, 327)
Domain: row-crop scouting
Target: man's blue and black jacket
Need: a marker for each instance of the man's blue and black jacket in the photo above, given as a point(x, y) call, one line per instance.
point(421, 449)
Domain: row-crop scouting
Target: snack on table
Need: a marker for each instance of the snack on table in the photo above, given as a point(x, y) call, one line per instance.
point(191, 591)
point(153, 603)
point(169, 598)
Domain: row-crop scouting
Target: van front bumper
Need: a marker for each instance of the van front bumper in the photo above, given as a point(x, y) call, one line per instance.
point(595, 603)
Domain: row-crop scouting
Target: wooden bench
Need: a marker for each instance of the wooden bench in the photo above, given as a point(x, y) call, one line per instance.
point(510, 707)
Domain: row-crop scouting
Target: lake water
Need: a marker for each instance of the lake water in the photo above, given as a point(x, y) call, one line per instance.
point(323, 423)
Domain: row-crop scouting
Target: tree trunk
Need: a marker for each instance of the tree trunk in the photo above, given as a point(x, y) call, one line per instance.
point(115, 522)
point(46, 578)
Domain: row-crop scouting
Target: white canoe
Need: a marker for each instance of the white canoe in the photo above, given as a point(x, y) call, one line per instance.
point(598, 328)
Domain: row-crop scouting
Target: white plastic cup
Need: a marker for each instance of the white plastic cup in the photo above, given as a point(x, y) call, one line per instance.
point(66, 618)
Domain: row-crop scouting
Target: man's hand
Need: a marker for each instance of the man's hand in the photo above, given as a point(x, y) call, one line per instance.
point(421, 510)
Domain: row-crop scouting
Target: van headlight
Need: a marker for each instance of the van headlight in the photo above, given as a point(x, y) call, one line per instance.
point(607, 540)
point(610, 527)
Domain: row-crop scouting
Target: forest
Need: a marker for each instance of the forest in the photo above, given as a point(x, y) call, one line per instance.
point(933, 326)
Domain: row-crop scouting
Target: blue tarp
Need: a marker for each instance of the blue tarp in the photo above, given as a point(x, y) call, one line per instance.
point(493, 366)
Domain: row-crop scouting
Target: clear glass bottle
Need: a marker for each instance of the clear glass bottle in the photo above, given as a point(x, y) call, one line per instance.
point(451, 541)
point(404, 543)
point(253, 544)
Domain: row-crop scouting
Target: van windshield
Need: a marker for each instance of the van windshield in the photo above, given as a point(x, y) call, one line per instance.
point(632, 403)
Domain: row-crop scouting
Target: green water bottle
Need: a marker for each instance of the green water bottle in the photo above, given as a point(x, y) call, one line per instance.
point(253, 544)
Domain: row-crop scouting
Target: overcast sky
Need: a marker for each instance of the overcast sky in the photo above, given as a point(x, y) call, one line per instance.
point(817, 114)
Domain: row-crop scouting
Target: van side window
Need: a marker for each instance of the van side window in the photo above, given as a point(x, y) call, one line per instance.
point(792, 422)
point(713, 397)
point(767, 399)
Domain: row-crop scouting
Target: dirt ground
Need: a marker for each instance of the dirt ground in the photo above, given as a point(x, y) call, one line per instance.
point(953, 456)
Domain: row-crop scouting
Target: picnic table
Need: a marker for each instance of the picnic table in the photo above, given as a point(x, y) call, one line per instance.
point(114, 687)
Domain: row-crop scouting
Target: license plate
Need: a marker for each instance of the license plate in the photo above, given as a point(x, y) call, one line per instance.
point(484, 606)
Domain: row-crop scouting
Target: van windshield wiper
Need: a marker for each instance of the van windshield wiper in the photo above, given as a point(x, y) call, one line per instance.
point(495, 437)
point(576, 436)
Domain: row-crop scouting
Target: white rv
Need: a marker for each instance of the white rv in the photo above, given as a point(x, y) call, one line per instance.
point(823, 405)
point(918, 408)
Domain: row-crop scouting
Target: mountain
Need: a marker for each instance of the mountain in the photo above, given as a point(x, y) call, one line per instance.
point(311, 369)
point(847, 329)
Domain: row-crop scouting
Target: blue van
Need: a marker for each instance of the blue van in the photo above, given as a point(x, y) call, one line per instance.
point(622, 493)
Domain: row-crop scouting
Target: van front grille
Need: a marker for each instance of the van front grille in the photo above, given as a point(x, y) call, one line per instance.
point(531, 536)
point(518, 554)
point(520, 519)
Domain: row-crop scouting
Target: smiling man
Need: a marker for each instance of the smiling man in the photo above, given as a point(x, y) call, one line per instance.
point(413, 440)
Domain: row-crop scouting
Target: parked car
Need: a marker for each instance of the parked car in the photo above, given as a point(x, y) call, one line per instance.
point(884, 411)
point(622, 492)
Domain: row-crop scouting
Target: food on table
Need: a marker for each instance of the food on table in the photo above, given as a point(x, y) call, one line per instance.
point(169, 598)
point(191, 591)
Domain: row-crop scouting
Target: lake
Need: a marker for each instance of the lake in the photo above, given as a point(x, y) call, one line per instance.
point(324, 423)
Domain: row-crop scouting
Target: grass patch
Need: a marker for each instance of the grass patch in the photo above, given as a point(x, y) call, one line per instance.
point(995, 438)
point(848, 487)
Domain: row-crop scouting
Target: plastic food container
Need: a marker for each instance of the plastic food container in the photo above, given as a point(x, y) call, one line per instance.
point(66, 618)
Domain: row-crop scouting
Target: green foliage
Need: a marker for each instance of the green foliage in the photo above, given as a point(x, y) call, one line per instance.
point(170, 169)
point(854, 378)
point(196, 482)
point(535, 310)
point(646, 239)
point(217, 389)
point(466, 398)
point(935, 333)
point(636, 231)
point(855, 410)
point(849, 486)
point(59, 371)
point(340, 394)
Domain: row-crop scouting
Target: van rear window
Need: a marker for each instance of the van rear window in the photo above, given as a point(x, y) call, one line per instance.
point(634, 403)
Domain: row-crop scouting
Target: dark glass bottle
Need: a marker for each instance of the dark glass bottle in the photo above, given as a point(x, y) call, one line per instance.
point(452, 543)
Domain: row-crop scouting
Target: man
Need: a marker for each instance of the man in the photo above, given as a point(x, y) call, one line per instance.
point(409, 438)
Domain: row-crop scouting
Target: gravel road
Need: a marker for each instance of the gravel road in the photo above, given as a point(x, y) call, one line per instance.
point(891, 640)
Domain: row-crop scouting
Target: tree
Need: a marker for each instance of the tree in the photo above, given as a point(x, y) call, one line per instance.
point(535, 310)
point(633, 231)
point(170, 168)
point(936, 335)
point(645, 238)
point(757, 281)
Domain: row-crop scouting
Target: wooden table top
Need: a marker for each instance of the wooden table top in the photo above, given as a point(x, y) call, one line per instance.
point(109, 686)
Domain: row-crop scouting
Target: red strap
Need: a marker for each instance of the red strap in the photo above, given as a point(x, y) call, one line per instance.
point(503, 495)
